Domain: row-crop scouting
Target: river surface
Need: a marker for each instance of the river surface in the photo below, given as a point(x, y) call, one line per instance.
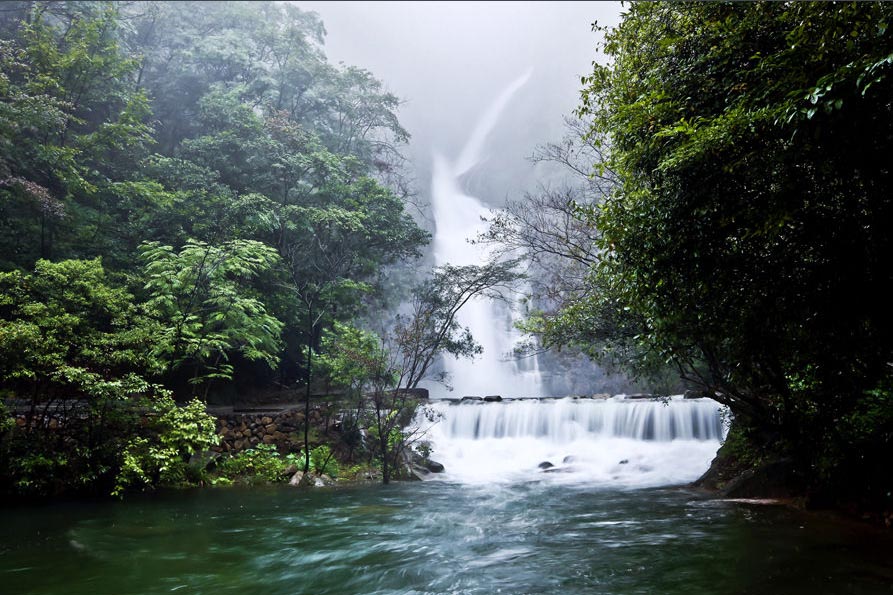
point(438, 537)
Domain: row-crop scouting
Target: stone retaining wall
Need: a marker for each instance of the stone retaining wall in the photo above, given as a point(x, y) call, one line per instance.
point(283, 429)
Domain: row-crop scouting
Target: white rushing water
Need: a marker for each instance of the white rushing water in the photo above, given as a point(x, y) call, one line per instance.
point(610, 443)
point(458, 217)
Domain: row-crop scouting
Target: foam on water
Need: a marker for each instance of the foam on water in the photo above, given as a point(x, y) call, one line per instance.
point(615, 442)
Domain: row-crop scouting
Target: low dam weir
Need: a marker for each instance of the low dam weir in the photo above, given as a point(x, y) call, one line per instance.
point(614, 442)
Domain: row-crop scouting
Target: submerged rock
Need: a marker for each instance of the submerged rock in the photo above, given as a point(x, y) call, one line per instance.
point(569, 459)
point(545, 465)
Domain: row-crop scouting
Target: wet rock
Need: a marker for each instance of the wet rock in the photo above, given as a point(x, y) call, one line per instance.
point(300, 480)
point(779, 478)
point(624, 462)
point(434, 466)
point(545, 465)
point(309, 480)
point(568, 459)
point(418, 473)
point(492, 398)
point(472, 399)
point(696, 394)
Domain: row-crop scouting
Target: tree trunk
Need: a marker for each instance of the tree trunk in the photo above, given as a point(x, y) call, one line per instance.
point(307, 391)
point(385, 463)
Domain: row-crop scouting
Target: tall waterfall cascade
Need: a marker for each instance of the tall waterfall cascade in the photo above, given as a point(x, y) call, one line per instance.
point(458, 218)
point(603, 442)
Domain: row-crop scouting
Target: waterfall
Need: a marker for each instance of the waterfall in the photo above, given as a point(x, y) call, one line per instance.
point(611, 442)
point(458, 218)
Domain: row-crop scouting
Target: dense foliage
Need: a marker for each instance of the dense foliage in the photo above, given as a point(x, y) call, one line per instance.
point(189, 194)
point(746, 239)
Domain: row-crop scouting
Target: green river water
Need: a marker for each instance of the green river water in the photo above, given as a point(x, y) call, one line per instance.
point(435, 537)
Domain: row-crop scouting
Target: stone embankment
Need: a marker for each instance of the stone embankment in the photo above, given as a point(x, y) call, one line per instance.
point(241, 430)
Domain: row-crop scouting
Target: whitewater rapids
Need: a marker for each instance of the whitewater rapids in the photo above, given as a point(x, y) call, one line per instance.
point(615, 443)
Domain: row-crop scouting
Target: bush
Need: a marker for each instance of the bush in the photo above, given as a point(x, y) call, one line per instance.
point(161, 457)
point(263, 462)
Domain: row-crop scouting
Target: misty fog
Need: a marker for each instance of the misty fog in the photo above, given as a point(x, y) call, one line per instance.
point(449, 60)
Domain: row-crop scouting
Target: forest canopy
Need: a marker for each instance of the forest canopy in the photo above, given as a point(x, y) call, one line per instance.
point(189, 193)
point(746, 236)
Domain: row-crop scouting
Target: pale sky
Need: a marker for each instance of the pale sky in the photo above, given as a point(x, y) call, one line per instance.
point(449, 60)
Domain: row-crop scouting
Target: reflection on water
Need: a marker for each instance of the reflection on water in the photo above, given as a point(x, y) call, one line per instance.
point(435, 537)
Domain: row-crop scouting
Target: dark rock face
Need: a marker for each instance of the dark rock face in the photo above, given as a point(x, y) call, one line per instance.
point(420, 467)
point(434, 466)
point(493, 398)
point(729, 477)
point(545, 465)
point(775, 479)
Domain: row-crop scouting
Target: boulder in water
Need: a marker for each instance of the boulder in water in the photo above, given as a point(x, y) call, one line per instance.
point(300, 480)
point(568, 459)
point(464, 399)
point(434, 466)
point(623, 462)
point(493, 398)
point(545, 465)
point(309, 480)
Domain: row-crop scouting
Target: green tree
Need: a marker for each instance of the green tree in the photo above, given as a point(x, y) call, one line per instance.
point(379, 370)
point(171, 435)
point(202, 297)
point(71, 117)
point(749, 143)
point(74, 352)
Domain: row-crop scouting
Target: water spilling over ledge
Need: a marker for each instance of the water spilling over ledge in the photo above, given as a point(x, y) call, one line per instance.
point(612, 442)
